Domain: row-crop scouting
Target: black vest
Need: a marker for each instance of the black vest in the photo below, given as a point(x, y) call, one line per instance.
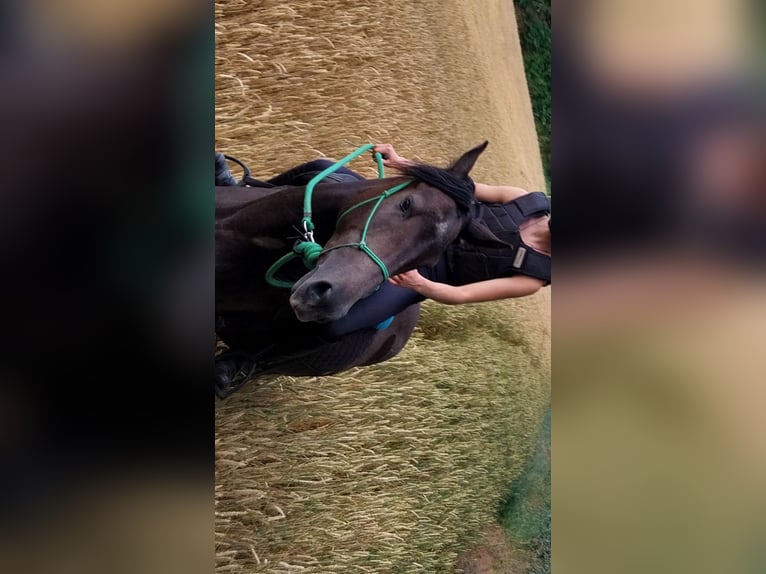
point(469, 263)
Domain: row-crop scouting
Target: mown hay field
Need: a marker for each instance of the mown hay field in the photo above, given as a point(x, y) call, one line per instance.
point(395, 467)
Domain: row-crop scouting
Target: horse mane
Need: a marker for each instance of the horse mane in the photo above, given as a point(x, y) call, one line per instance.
point(460, 188)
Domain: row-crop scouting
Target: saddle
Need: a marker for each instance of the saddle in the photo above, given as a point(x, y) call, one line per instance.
point(302, 179)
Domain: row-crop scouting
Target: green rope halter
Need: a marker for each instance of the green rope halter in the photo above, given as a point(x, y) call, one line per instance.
point(308, 249)
point(362, 245)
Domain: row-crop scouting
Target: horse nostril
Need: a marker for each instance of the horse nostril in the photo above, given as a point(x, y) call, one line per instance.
point(318, 291)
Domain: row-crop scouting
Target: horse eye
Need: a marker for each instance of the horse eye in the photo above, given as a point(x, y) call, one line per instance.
point(406, 205)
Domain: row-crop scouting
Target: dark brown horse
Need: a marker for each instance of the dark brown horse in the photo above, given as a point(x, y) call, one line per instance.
point(367, 232)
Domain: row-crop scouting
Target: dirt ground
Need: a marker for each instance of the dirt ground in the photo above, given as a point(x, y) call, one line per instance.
point(494, 555)
point(295, 81)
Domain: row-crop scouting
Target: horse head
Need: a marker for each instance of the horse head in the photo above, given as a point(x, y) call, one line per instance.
point(398, 225)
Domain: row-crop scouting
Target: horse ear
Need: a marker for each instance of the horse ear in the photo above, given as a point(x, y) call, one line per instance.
point(464, 165)
point(479, 234)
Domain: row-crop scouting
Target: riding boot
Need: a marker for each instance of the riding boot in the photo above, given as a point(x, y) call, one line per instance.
point(232, 370)
point(223, 175)
point(235, 368)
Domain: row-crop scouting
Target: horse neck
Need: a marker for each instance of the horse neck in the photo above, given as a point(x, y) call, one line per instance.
point(280, 212)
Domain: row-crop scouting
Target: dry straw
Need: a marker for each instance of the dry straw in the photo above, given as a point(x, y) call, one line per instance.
point(395, 467)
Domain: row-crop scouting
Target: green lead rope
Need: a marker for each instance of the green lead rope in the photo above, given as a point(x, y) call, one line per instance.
point(308, 249)
point(307, 223)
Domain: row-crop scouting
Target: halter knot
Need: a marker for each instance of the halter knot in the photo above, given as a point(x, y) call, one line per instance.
point(309, 251)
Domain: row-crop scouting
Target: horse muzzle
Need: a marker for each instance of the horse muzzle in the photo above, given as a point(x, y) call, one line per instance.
point(318, 300)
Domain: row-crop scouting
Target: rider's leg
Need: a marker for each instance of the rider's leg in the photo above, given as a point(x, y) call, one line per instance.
point(222, 173)
point(234, 369)
point(369, 313)
point(386, 302)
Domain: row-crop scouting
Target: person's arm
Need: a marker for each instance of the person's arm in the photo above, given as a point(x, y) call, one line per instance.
point(390, 157)
point(498, 193)
point(491, 290)
point(485, 193)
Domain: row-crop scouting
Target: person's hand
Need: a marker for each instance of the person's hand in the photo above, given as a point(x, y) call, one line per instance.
point(409, 280)
point(390, 157)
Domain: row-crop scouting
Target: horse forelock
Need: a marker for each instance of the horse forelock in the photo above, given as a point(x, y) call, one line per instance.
point(460, 188)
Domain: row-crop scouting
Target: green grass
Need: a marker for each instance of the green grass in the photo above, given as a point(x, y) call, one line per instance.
point(534, 21)
point(526, 514)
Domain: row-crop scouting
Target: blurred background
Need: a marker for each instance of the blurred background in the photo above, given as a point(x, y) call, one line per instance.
point(658, 313)
point(106, 290)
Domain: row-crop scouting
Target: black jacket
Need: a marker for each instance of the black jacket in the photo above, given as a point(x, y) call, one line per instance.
point(469, 263)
